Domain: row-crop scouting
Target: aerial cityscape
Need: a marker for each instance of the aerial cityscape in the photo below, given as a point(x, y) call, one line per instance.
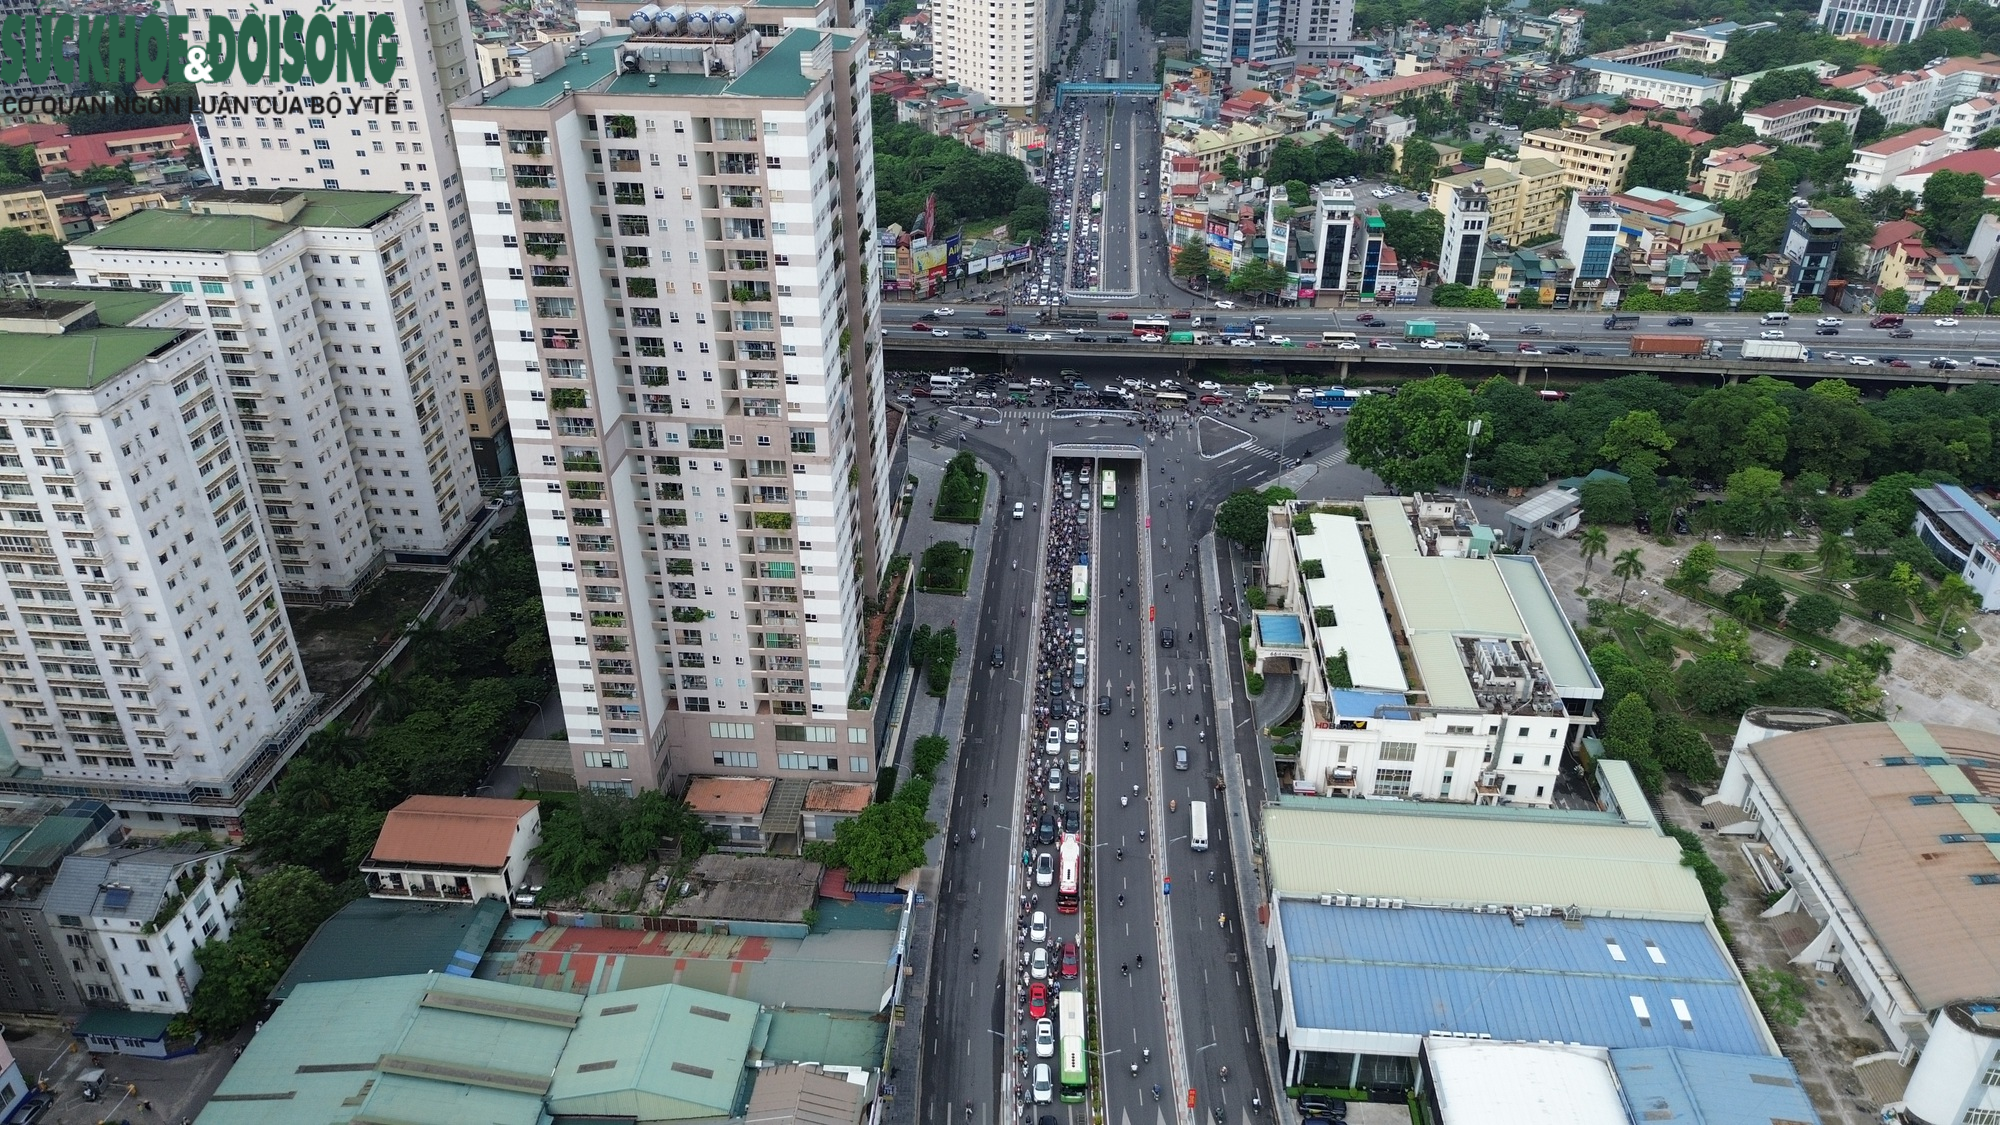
point(1499, 504)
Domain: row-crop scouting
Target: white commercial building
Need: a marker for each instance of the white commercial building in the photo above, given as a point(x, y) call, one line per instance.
point(398, 144)
point(317, 301)
point(1964, 536)
point(1459, 681)
point(1333, 228)
point(1670, 88)
point(1590, 234)
point(130, 920)
point(673, 228)
point(1872, 19)
point(1876, 166)
point(1322, 30)
point(1465, 229)
point(996, 49)
point(145, 651)
point(1883, 838)
point(1234, 32)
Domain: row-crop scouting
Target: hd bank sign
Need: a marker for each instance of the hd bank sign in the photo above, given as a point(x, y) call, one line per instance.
point(287, 49)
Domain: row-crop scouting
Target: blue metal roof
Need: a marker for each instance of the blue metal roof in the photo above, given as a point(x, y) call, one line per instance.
point(1415, 971)
point(1709, 1088)
point(1351, 704)
point(1653, 72)
point(1973, 509)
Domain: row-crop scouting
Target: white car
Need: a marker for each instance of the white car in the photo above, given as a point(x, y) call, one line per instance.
point(1020, 510)
point(1053, 746)
point(1829, 322)
point(1208, 386)
point(1038, 928)
point(1772, 334)
point(1380, 346)
point(1279, 341)
point(940, 333)
point(1946, 322)
point(1232, 304)
point(1041, 337)
point(1045, 1092)
point(1038, 963)
point(1072, 731)
point(1045, 869)
point(941, 311)
point(1833, 357)
point(1348, 346)
point(1431, 345)
point(1243, 342)
point(1861, 361)
point(1259, 388)
point(1074, 331)
point(1045, 1038)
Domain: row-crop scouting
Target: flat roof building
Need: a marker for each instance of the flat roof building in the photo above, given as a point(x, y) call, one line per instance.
point(1963, 535)
point(1671, 88)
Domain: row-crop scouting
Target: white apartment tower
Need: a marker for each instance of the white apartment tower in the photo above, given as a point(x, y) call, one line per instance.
point(1234, 32)
point(1322, 30)
point(406, 149)
point(673, 223)
point(318, 302)
point(144, 651)
point(996, 47)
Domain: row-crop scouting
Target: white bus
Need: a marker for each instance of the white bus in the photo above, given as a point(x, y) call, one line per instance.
point(1198, 828)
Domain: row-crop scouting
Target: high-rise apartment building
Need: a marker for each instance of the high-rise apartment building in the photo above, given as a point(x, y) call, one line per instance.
point(996, 47)
point(1246, 31)
point(1322, 30)
point(1891, 21)
point(405, 149)
point(674, 224)
point(145, 658)
point(318, 303)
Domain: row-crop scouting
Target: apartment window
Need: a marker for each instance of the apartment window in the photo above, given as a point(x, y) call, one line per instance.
point(808, 762)
point(736, 759)
point(1392, 783)
point(1399, 751)
point(604, 759)
point(727, 730)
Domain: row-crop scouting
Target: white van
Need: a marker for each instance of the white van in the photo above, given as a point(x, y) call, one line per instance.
point(1985, 361)
point(1776, 318)
point(943, 383)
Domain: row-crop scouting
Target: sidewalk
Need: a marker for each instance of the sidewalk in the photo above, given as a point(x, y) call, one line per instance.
point(927, 715)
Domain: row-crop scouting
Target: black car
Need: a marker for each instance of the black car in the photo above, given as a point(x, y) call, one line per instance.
point(1166, 638)
point(1086, 339)
point(1826, 331)
point(1104, 705)
point(999, 656)
point(1045, 830)
point(1071, 821)
point(1317, 1107)
point(973, 333)
point(1680, 322)
point(1901, 334)
point(1565, 349)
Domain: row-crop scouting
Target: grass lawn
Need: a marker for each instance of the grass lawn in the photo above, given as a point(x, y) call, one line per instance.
point(977, 506)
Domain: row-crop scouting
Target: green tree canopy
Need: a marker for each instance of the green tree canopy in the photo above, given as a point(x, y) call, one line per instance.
point(1245, 518)
point(1659, 159)
point(1414, 440)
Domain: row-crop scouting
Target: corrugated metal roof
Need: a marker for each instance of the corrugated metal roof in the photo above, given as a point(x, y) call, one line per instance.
point(1390, 525)
point(1535, 601)
point(1412, 972)
point(1915, 893)
point(1462, 855)
point(1438, 599)
point(1359, 624)
point(120, 883)
point(660, 1053)
point(1675, 1084)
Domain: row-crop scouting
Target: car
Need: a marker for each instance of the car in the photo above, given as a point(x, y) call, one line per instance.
point(1225, 304)
point(1348, 346)
point(1055, 775)
point(1319, 1107)
point(1072, 791)
point(1280, 341)
point(1086, 339)
point(1860, 361)
point(1038, 963)
point(999, 656)
point(1166, 638)
point(1895, 362)
point(1020, 510)
point(1528, 350)
point(1181, 314)
point(1038, 1002)
point(1531, 330)
point(1944, 363)
point(1900, 334)
point(1044, 1090)
point(920, 326)
point(1070, 961)
point(997, 310)
point(1242, 342)
point(1383, 345)
point(1212, 400)
point(1041, 337)
point(1771, 334)
point(1369, 319)
point(940, 333)
point(1832, 357)
point(1826, 331)
point(1119, 315)
point(1680, 322)
point(1180, 757)
point(1452, 346)
point(1038, 928)
point(1946, 322)
point(1829, 322)
point(943, 311)
point(1431, 345)
point(1045, 1038)
point(1076, 635)
point(1053, 744)
point(1074, 331)
point(1045, 870)
point(973, 333)
point(1104, 705)
point(1207, 385)
point(1072, 731)
point(1047, 828)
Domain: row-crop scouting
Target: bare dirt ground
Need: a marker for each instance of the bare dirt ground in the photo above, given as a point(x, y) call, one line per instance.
point(340, 645)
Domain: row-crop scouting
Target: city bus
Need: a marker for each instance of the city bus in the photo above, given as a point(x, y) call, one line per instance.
point(1110, 489)
point(1073, 1077)
point(1096, 202)
point(1332, 338)
point(1170, 399)
point(1069, 878)
point(1151, 327)
point(1079, 587)
point(1198, 826)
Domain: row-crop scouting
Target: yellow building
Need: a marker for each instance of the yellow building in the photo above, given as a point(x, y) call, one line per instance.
point(28, 209)
point(119, 204)
point(1585, 159)
point(1525, 198)
point(1249, 144)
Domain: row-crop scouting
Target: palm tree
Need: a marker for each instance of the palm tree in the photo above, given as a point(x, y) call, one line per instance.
point(1676, 494)
point(1627, 566)
point(1953, 594)
point(1772, 515)
point(1875, 656)
point(1834, 555)
point(1593, 544)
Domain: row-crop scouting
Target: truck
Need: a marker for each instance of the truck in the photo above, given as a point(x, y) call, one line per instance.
point(1181, 337)
point(1621, 321)
point(1684, 346)
point(1429, 330)
point(1241, 330)
point(1420, 330)
point(1786, 351)
point(1476, 335)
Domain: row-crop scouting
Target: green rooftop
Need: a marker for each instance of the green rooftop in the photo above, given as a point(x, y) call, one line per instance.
point(174, 229)
point(375, 937)
point(115, 307)
point(657, 1054)
point(577, 73)
point(775, 75)
point(77, 361)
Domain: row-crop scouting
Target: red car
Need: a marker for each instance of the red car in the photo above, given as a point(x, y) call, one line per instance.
point(996, 310)
point(1069, 964)
point(1211, 400)
point(1121, 315)
point(1897, 362)
point(920, 326)
point(1038, 1000)
point(1182, 314)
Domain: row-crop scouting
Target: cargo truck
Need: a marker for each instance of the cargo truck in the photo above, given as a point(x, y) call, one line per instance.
point(1429, 330)
point(1181, 337)
point(1688, 346)
point(1476, 335)
point(1241, 330)
point(1621, 321)
point(1420, 330)
point(1786, 351)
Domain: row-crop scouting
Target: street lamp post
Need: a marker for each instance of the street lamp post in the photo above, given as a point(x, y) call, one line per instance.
point(1472, 429)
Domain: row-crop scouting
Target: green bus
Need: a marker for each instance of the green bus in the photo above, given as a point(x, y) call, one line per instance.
point(1079, 587)
point(1110, 489)
point(1073, 1075)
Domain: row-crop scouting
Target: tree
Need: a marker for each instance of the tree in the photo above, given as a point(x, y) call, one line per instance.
point(1419, 163)
point(1944, 302)
point(1698, 565)
point(886, 841)
point(1731, 427)
point(1952, 203)
point(1592, 544)
point(281, 911)
point(1814, 613)
point(1415, 440)
point(1834, 556)
point(1191, 260)
point(1761, 301)
point(1953, 594)
point(1628, 737)
point(1627, 566)
point(1679, 746)
point(1606, 500)
point(1875, 656)
point(1659, 159)
point(1714, 684)
point(1762, 588)
point(1245, 516)
point(1713, 293)
point(1416, 236)
point(1881, 596)
point(1893, 301)
point(1638, 429)
point(1870, 126)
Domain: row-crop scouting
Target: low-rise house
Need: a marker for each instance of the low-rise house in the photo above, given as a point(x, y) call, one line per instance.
point(1795, 120)
point(1740, 85)
point(1870, 259)
point(828, 803)
point(1730, 173)
point(1670, 88)
point(455, 849)
point(1654, 221)
point(1981, 162)
point(733, 807)
point(1876, 166)
point(1966, 121)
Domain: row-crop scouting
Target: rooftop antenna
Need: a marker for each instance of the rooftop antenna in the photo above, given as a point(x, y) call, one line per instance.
point(23, 281)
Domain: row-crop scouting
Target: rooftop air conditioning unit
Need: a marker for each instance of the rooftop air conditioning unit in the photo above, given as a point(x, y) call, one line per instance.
point(1371, 902)
point(1395, 904)
point(1326, 900)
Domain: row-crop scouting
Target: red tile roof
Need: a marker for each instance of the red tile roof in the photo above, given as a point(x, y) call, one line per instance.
point(1983, 162)
point(1901, 141)
point(450, 831)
